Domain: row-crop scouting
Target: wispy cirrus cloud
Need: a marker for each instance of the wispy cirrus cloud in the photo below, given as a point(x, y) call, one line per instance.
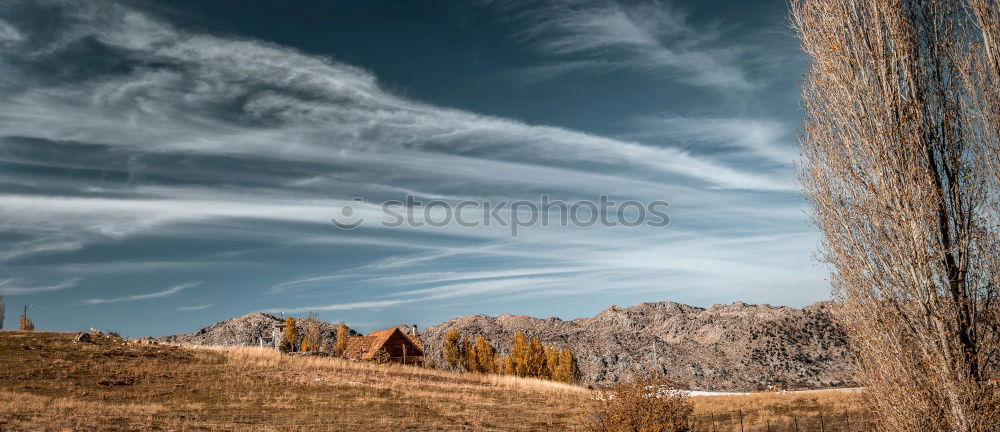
point(601, 35)
point(146, 296)
point(184, 109)
point(9, 287)
point(760, 138)
point(374, 304)
point(506, 286)
point(242, 149)
point(194, 308)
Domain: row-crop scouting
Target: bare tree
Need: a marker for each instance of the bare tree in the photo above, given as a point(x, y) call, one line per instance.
point(900, 153)
point(313, 329)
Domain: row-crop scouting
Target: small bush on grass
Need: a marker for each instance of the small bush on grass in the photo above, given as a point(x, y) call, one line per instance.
point(649, 403)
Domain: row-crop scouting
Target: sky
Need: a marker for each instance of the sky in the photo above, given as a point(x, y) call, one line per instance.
point(166, 165)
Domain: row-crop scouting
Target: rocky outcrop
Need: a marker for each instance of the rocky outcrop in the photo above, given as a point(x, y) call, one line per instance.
point(246, 330)
point(723, 347)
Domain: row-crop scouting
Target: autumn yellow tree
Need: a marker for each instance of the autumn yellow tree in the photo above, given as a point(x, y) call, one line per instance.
point(452, 348)
point(566, 369)
point(468, 354)
point(484, 354)
point(518, 359)
point(471, 357)
point(342, 334)
point(291, 336)
point(26, 323)
point(552, 357)
point(509, 365)
point(536, 359)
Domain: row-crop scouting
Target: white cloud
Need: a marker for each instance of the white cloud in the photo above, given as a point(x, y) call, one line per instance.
point(346, 111)
point(257, 141)
point(645, 36)
point(136, 297)
point(761, 138)
point(194, 308)
point(7, 287)
point(8, 33)
point(377, 304)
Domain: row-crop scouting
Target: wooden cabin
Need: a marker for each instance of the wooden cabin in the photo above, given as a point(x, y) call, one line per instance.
point(389, 345)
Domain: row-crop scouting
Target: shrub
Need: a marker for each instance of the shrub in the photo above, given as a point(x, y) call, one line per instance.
point(648, 403)
point(27, 324)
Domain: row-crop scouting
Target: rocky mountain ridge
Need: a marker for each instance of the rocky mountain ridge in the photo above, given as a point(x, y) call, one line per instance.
point(246, 330)
point(723, 347)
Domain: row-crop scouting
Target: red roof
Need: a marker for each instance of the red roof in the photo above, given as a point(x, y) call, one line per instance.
point(365, 347)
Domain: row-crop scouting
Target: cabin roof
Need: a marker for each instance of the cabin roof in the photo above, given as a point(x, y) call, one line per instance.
point(365, 347)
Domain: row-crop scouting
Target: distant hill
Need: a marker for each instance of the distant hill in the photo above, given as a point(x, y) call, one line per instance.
point(246, 330)
point(723, 347)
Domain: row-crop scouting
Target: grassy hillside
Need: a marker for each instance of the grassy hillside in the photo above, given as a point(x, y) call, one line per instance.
point(47, 382)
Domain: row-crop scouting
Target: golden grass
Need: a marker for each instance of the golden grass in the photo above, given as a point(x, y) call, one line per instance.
point(49, 383)
point(386, 373)
point(838, 409)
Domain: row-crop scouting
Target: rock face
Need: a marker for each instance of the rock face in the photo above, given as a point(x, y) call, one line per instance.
point(246, 330)
point(723, 347)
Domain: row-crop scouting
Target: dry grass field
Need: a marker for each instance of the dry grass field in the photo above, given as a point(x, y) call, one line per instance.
point(47, 382)
point(830, 411)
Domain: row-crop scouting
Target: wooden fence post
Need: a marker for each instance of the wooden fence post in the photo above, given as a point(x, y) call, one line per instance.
point(822, 424)
point(796, 420)
point(741, 420)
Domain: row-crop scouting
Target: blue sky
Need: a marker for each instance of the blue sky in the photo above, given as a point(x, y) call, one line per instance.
point(167, 165)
